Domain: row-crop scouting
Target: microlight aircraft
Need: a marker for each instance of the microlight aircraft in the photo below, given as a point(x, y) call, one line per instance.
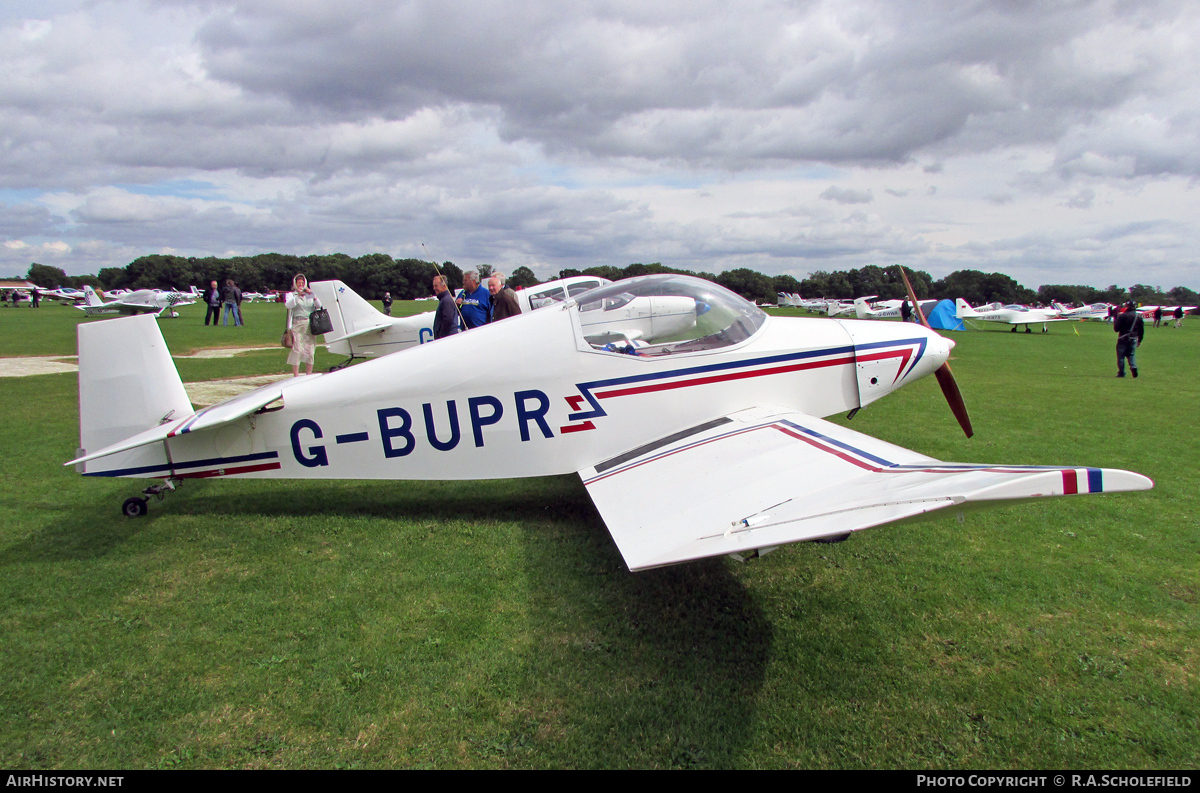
point(702, 445)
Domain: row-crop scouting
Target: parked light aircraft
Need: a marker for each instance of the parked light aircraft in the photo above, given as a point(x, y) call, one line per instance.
point(1168, 312)
point(362, 331)
point(63, 294)
point(1094, 311)
point(142, 301)
point(887, 309)
point(1013, 315)
point(706, 445)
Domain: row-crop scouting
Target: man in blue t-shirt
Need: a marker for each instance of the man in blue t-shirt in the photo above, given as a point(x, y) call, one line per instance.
point(474, 301)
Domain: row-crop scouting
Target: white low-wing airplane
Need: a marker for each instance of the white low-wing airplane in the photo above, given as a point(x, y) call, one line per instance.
point(887, 309)
point(1013, 315)
point(696, 447)
point(1093, 311)
point(142, 301)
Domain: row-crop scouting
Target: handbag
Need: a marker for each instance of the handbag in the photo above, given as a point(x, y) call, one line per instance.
point(319, 322)
point(286, 339)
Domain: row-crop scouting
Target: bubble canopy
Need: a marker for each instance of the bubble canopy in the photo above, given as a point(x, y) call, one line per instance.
point(664, 315)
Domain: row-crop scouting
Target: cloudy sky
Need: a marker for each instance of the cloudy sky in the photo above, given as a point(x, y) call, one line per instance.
point(1054, 141)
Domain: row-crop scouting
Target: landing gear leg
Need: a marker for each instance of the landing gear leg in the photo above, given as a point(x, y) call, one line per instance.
point(1027, 330)
point(137, 507)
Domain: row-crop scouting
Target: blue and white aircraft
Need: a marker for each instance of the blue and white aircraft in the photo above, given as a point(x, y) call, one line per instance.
point(705, 444)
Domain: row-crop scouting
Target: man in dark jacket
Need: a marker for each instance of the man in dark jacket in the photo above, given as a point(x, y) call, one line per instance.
point(212, 298)
point(1129, 328)
point(504, 300)
point(445, 320)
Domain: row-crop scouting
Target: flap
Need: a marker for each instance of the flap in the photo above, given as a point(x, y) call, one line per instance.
point(764, 477)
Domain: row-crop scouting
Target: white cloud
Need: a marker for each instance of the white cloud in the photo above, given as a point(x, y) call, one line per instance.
point(709, 134)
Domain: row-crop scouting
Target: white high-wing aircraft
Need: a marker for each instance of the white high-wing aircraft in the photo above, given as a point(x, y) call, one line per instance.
point(1013, 315)
point(691, 448)
point(142, 301)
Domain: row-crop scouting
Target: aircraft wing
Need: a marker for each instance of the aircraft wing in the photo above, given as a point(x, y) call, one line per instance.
point(216, 415)
point(763, 477)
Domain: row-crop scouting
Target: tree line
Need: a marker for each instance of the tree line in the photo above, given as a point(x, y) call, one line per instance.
point(375, 273)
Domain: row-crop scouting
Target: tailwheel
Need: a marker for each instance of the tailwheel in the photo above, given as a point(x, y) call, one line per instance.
point(134, 507)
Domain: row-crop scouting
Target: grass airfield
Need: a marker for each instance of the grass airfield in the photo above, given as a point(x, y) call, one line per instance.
point(276, 624)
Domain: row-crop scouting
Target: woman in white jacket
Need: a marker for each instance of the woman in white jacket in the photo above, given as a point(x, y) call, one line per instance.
point(301, 302)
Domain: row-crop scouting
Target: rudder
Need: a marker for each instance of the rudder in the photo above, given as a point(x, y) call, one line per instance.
point(127, 384)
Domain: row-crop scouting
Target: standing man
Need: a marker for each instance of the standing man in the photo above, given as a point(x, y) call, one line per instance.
point(1129, 328)
point(387, 303)
point(1179, 316)
point(212, 299)
point(237, 304)
point(35, 298)
point(474, 301)
point(445, 321)
point(504, 300)
point(1157, 316)
point(230, 301)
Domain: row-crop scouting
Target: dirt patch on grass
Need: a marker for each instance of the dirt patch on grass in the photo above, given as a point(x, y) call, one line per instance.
point(223, 352)
point(26, 367)
point(210, 392)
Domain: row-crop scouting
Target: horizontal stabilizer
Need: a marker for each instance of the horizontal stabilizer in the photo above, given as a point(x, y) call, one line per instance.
point(217, 415)
point(765, 477)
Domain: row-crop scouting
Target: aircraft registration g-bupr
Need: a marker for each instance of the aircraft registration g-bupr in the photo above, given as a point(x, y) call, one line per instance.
point(709, 441)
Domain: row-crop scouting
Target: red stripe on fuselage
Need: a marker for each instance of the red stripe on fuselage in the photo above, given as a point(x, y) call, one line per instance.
point(1070, 482)
point(245, 469)
point(904, 355)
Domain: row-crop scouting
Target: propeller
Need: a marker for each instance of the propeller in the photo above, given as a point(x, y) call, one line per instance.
point(944, 376)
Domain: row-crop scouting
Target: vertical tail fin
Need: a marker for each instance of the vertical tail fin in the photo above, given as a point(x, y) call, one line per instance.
point(89, 296)
point(963, 309)
point(127, 384)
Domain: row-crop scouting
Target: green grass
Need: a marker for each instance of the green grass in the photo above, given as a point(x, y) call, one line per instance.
point(491, 624)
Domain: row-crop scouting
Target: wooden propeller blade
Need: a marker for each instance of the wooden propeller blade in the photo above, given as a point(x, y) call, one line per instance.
point(944, 376)
point(912, 297)
point(954, 398)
